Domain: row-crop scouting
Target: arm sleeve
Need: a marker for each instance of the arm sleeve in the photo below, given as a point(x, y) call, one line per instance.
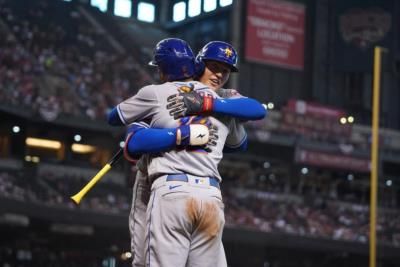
point(138, 107)
point(242, 108)
point(143, 141)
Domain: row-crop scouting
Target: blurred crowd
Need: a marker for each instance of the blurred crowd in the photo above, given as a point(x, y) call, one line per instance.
point(268, 209)
point(57, 62)
point(326, 219)
point(42, 256)
point(52, 190)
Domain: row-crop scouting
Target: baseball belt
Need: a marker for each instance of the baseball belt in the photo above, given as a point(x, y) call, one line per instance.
point(182, 177)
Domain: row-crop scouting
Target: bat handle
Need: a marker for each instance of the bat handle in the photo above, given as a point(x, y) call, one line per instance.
point(78, 196)
point(116, 157)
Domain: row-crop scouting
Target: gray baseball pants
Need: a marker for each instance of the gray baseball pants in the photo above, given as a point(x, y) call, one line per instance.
point(137, 218)
point(185, 220)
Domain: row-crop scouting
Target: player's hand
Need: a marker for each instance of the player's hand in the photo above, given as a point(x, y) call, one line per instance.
point(197, 135)
point(212, 139)
point(186, 104)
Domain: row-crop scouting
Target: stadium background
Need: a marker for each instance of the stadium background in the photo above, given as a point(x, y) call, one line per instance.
point(298, 197)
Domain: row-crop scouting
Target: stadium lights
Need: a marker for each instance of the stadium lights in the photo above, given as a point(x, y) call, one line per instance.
point(16, 129)
point(179, 11)
point(82, 149)
point(146, 12)
point(270, 105)
point(350, 177)
point(194, 8)
point(43, 143)
point(126, 255)
point(123, 8)
point(304, 170)
point(343, 120)
point(209, 5)
point(223, 3)
point(34, 159)
point(389, 182)
point(77, 138)
point(350, 119)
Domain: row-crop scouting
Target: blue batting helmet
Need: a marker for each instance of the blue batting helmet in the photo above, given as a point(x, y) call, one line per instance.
point(174, 58)
point(217, 51)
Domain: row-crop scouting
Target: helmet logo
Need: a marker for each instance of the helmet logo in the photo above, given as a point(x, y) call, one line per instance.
point(228, 52)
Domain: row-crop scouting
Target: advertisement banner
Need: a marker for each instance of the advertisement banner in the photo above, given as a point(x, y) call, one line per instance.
point(314, 109)
point(275, 33)
point(314, 120)
point(361, 25)
point(328, 160)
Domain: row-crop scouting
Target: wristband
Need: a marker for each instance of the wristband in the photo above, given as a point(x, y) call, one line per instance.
point(208, 104)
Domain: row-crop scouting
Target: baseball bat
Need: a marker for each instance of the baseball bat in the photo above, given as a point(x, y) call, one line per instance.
point(78, 196)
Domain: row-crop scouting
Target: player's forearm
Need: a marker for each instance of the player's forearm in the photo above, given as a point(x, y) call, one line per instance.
point(241, 108)
point(151, 141)
point(193, 103)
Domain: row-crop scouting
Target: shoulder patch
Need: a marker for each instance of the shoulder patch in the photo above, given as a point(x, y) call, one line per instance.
point(185, 88)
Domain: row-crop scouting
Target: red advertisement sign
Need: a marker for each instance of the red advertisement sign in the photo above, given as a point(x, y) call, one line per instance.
point(323, 159)
point(275, 33)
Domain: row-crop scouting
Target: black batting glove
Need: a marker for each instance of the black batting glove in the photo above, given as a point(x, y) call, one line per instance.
point(187, 104)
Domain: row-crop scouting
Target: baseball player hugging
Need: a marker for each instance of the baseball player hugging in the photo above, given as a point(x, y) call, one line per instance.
point(187, 127)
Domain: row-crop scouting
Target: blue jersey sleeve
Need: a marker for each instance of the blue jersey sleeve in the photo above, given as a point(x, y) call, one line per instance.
point(242, 108)
point(144, 141)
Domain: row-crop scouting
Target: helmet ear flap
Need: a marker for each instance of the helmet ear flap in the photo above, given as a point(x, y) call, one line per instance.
point(199, 66)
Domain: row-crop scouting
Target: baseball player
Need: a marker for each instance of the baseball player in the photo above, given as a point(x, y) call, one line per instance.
point(141, 188)
point(184, 58)
point(190, 137)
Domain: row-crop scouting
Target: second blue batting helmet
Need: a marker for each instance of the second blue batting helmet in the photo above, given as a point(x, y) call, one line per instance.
point(174, 58)
point(217, 51)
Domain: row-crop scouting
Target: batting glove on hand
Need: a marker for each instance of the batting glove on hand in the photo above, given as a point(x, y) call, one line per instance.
point(212, 139)
point(197, 135)
point(186, 104)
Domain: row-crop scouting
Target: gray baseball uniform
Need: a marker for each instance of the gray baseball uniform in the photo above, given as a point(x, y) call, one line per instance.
point(185, 217)
point(137, 215)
